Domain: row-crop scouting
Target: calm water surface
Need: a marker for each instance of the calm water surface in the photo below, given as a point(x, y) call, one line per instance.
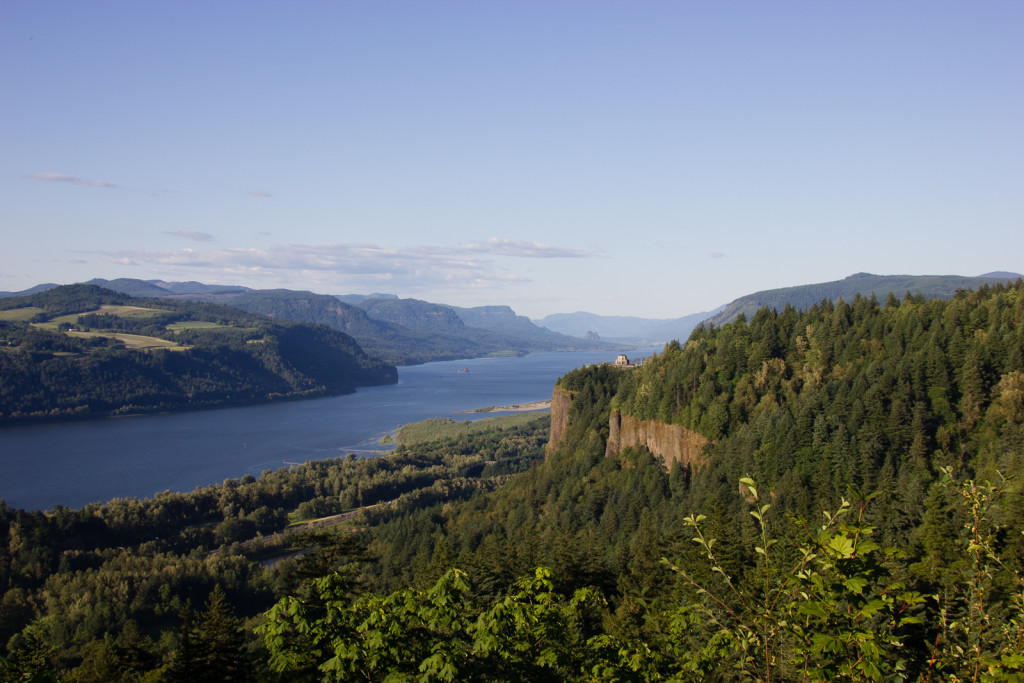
point(77, 463)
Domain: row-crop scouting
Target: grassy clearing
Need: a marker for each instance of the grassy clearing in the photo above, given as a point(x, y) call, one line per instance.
point(20, 314)
point(108, 309)
point(196, 325)
point(135, 341)
point(130, 311)
point(444, 428)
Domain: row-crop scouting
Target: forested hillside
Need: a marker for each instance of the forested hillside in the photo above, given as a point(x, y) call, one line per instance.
point(902, 423)
point(83, 351)
point(169, 589)
point(865, 284)
point(396, 331)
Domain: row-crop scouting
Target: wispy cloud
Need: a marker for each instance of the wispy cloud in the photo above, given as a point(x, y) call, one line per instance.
point(356, 266)
point(74, 180)
point(502, 247)
point(716, 254)
point(261, 193)
point(191, 235)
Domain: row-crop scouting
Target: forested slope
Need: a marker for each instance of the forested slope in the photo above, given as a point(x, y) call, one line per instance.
point(408, 331)
point(889, 419)
point(82, 351)
point(904, 424)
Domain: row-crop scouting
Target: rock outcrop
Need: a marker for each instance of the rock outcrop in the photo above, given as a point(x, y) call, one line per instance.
point(561, 399)
point(672, 443)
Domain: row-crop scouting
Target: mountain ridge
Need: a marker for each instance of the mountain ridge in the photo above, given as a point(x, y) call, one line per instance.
point(802, 297)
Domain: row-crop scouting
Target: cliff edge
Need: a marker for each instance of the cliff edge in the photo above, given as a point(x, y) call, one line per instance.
point(561, 399)
point(672, 443)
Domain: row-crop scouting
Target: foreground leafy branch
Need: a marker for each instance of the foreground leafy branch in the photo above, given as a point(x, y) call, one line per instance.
point(832, 613)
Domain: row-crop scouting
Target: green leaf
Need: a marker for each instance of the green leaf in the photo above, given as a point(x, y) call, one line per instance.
point(873, 607)
point(813, 609)
point(842, 545)
point(856, 584)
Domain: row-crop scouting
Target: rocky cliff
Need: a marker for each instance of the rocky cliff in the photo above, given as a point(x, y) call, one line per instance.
point(561, 399)
point(672, 443)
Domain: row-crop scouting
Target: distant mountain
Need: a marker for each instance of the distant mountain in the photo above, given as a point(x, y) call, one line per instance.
point(193, 287)
point(398, 331)
point(415, 314)
point(865, 284)
point(356, 299)
point(409, 331)
point(130, 286)
point(380, 339)
point(625, 328)
point(152, 288)
point(32, 290)
point(503, 319)
point(1003, 275)
point(482, 331)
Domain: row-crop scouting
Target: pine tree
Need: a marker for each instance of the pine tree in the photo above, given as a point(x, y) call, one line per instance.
point(212, 648)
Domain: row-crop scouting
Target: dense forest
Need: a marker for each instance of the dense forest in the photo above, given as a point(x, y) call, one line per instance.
point(82, 351)
point(159, 589)
point(857, 515)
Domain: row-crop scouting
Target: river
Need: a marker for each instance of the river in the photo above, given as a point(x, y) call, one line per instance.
point(76, 463)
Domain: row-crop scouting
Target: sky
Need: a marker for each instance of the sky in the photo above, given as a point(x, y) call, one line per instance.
point(646, 158)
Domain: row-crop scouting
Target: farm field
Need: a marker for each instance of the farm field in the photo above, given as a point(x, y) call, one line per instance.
point(20, 314)
point(111, 309)
point(196, 325)
point(135, 341)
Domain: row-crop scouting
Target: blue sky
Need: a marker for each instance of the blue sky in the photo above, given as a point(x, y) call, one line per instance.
point(646, 158)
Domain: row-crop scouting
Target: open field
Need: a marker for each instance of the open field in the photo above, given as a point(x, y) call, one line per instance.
point(135, 341)
point(129, 311)
point(20, 314)
point(196, 325)
point(444, 428)
point(109, 309)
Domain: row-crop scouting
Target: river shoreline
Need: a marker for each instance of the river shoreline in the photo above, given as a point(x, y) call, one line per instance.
point(515, 408)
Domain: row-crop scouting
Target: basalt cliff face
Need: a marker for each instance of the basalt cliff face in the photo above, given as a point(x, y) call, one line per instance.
point(561, 399)
point(672, 443)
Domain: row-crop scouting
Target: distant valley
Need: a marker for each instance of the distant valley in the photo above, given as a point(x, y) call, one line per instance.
point(410, 331)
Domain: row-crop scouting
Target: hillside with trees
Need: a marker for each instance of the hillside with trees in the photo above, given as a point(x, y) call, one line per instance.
point(856, 515)
point(864, 284)
point(83, 351)
point(397, 331)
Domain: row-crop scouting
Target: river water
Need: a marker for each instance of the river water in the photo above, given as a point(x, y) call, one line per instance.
point(76, 463)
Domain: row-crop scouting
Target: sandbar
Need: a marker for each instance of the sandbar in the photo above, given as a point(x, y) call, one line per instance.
point(516, 408)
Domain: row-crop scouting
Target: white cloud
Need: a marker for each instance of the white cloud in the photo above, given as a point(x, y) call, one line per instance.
point(502, 247)
point(353, 267)
point(63, 178)
point(191, 235)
